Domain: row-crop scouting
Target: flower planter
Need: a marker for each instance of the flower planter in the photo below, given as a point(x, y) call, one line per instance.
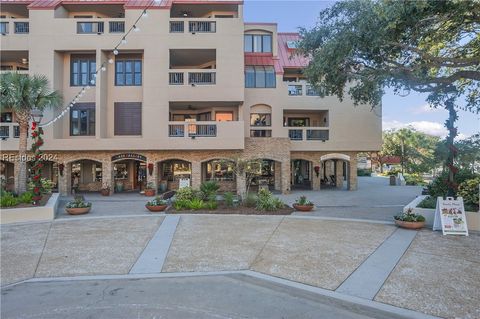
point(78, 211)
point(159, 208)
point(409, 225)
point(105, 192)
point(149, 192)
point(303, 208)
point(37, 198)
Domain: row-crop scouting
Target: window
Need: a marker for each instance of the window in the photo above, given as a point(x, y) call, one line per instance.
point(7, 117)
point(258, 43)
point(260, 133)
point(128, 72)
point(223, 116)
point(82, 71)
point(258, 119)
point(298, 121)
point(259, 77)
point(128, 118)
point(82, 119)
point(311, 91)
point(220, 171)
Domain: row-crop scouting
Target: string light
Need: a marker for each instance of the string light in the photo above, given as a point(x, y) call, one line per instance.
point(103, 67)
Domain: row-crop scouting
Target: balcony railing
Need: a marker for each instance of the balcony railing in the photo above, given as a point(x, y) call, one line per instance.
point(90, 27)
point(295, 90)
point(3, 28)
point(202, 26)
point(188, 129)
point(116, 26)
point(195, 77)
point(4, 131)
point(8, 130)
point(177, 26)
point(22, 27)
point(308, 134)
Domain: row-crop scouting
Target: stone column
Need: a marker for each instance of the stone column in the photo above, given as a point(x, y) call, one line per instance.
point(339, 173)
point(316, 179)
point(67, 173)
point(278, 175)
point(154, 177)
point(107, 175)
point(196, 174)
point(286, 171)
point(62, 180)
point(241, 185)
point(16, 170)
point(352, 176)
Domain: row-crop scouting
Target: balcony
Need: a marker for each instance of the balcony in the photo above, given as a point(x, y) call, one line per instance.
point(90, 27)
point(301, 88)
point(9, 130)
point(15, 26)
point(188, 129)
point(194, 77)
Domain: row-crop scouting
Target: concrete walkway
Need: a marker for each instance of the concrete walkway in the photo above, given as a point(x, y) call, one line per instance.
point(357, 263)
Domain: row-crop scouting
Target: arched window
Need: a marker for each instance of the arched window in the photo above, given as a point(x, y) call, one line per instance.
point(219, 170)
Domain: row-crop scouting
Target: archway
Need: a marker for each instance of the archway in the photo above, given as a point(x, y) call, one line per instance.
point(174, 174)
point(49, 172)
point(267, 175)
point(335, 173)
point(222, 172)
point(7, 175)
point(301, 174)
point(86, 175)
point(129, 172)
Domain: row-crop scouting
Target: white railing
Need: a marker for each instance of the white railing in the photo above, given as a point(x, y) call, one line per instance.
point(194, 26)
point(308, 134)
point(194, 77)
point(195, 129)
point(14, 26)
point(301, 88)
point(15, 71)
point(9, 130)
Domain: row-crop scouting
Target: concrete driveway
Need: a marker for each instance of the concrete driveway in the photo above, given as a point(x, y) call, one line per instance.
point(374, 200)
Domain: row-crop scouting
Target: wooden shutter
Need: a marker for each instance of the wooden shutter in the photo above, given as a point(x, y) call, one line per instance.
point(128, 118)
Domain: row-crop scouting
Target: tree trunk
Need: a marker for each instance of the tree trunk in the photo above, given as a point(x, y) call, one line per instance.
point(452, 151)
point(22, 120)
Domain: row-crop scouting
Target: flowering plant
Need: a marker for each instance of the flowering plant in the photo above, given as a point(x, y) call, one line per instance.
point(317, 170)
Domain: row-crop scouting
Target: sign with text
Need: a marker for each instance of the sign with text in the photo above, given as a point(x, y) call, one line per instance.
point(134, 156)
point(450, 216)
point(183, 182)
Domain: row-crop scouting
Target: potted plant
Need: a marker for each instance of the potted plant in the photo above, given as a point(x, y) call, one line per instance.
point(78, 206)
point(303, 204)
point(156, 205)
point(105, 191)
point(410, 220)
point(150, 189)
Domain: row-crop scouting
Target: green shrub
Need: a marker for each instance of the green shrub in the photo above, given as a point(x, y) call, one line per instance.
point(438, 187)
point(8, 200)
point(428, 202)
point(393, 172)
point(468, 190)
point(26, 198)
point(211, 205)
point(414, 179)
point(228, 197)
point(302, 200)
point(364, 172)
point(250, 200)
point(180, 204)
point(157, 201)
point(267, 202)
point(187, 193)
point(209, 190)
point(196, 204)
point(47, 185)
point(409, 216)
point(78, 203)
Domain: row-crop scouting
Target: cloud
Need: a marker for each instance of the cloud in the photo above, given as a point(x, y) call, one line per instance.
point(425, 109)
point(427, 127)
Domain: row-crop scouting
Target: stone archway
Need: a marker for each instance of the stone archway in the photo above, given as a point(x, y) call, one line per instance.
point(172, 172)
point(338, 171)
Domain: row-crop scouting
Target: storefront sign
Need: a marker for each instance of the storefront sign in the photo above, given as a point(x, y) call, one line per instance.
point(450, 216)
point(184, 182)
point(124, 156)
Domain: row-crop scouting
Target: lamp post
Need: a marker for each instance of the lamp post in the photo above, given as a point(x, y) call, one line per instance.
point(37, 133)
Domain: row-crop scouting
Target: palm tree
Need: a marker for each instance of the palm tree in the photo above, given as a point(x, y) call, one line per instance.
point(20, 94)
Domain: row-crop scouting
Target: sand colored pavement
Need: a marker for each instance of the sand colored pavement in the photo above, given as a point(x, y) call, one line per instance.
point(438, 275)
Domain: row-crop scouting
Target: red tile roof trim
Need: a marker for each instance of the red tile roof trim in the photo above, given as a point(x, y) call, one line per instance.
point(130, 4)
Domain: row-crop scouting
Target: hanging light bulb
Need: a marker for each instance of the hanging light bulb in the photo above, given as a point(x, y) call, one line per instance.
point(135, 28)
point(94, 75)
point(144, 14)
point(70, 105)
point(92, 82)
point(73, 102)
point(124, 41)
point(115, 52)
point(104, 68)
point(88, 87)
point(110, 61)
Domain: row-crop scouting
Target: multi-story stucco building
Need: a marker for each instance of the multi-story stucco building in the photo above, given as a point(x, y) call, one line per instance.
point(196, 85)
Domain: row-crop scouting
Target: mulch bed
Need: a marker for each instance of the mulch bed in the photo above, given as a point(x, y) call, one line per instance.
point(43, 202)
point(239, 210)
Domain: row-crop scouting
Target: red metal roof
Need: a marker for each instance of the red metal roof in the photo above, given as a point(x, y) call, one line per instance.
point(263, 59)
point(287, 57)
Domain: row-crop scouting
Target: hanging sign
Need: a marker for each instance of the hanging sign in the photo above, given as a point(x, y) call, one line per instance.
point(184, 182)
point(450, 216)
point(134, 156)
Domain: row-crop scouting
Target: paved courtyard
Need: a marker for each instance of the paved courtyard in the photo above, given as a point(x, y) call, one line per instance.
point(340, 268)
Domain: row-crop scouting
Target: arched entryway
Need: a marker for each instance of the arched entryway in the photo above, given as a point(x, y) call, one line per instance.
point(335, 173)
point(86, 175)
point(267, 174)
point(174, 173)
point(129, 172)
point(7, 176)
point(221, 171)
point(302, 174)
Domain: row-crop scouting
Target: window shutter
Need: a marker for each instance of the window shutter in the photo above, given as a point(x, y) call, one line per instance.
point(128, 118)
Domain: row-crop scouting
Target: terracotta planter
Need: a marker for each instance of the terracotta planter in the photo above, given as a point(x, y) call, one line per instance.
point(409, 225)
point(149, 192)
point(37, 198)
point(78, 211)
point(159, 208)
point(105, 192)
point(303, 208)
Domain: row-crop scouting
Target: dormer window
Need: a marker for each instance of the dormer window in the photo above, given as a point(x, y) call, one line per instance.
point(292, 45)
point(259, 43)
